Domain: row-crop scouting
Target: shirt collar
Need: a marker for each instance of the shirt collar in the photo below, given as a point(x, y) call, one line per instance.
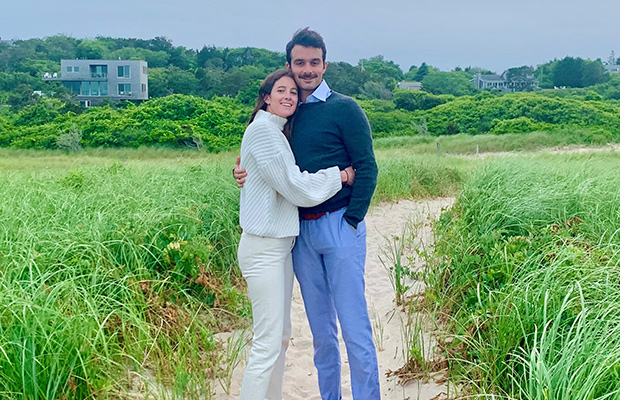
point(321, 93)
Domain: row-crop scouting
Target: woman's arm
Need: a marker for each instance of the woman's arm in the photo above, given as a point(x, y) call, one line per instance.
point(301, 188)
point(276, 165)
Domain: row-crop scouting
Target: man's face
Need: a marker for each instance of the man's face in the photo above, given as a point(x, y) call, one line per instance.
point(308, 67)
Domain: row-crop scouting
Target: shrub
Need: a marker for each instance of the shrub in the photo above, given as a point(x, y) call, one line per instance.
point(70, 140)
point(480, 113)
point(416, 100)
point(518, 125)
point(176, 121)
point(6, 131)
point(43, 112)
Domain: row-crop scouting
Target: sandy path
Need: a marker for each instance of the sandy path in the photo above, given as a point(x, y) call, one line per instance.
point(383, 222)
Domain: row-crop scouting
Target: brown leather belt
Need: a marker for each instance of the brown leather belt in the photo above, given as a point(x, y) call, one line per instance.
point(312, 217)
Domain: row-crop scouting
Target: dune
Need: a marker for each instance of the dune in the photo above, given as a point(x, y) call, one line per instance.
point(384, 222)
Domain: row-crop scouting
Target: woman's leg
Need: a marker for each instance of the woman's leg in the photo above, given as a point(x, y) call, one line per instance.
point(275, 389)
point(262, 261)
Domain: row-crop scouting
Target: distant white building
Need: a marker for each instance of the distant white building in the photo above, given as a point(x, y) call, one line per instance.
point(92, 81)
point(491, 82)
point(410, 85)
point(613, 69)
point(502, 84)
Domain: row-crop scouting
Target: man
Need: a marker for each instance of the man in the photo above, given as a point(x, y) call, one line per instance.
point(330, 252)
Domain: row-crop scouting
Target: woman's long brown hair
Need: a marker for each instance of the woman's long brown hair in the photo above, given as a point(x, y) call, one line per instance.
point(265, 89)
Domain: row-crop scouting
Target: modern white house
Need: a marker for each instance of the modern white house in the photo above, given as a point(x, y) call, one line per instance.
point(92, 81)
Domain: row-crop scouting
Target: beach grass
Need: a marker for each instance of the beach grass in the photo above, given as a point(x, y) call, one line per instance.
point(490, 143)
point(526, 278)
point(118, 267)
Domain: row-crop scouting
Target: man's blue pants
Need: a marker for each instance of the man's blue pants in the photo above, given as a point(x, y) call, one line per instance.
point(328, 260)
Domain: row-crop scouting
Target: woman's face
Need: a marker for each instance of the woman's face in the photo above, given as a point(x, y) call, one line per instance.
point(282, 101)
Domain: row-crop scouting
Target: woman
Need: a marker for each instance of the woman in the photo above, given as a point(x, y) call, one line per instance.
point(268, 216)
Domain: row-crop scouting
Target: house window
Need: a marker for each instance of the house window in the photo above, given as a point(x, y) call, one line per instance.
point(95, 88)
point(144, 71)
point(143, 87)
point(124, 89)
point(76, 69)
point(69, 69)
point(99, 71)
point(123, 71)
point(74, 87)
point(85, 89)
point(101, 87)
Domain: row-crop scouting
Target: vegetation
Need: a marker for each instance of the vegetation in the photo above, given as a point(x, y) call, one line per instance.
point(489, 143)
point(208, 72)
point(112, 260)
point(117, 265)
point(176, 121)
point(572, 72)
point(218, 124)
point(527, 272)
point(221, 84)
point(112, 268)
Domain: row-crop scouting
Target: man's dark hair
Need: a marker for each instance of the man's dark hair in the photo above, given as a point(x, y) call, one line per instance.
point(307, 38)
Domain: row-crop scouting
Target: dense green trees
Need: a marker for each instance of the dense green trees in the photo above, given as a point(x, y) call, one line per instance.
point(457, 83)
point(345, 78)
point(222, 83)
point(210, 71)
point(522, 79)
point(217, 124)
point(593, 73)
point(381, 70)
point(577, 73)
point(91, 49)
point(176, 120)
point(415, 100)
point(172, 80)
point(421, 72)
point(215, 71)
point(525, 111)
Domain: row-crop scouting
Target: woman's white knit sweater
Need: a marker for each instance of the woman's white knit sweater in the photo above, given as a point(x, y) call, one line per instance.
point(275, 186)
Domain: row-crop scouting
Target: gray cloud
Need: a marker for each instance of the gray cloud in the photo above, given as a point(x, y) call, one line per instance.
point(443, 33)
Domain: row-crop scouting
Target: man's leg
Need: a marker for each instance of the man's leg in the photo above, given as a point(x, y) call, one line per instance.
point(344, 264)
point(310, 273)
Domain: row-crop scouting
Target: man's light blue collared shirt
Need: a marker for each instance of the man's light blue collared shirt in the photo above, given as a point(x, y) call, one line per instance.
point(321, 93)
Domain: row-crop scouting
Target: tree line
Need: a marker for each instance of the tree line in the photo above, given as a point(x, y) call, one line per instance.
point(202, 98)
point(236, 72)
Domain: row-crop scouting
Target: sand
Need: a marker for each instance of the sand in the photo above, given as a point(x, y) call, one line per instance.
point(383, 223)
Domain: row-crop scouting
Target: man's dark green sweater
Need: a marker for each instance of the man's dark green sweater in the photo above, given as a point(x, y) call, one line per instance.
point(336, 132)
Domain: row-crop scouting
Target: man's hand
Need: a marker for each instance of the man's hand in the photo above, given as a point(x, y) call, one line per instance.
point(239, 173)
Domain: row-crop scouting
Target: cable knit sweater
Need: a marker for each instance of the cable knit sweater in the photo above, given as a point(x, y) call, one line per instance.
point(275, 186)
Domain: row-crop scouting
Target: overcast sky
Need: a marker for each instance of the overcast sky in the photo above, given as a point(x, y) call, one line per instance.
point(444, 33)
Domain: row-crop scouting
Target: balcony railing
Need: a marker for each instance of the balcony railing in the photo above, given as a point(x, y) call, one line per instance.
point(75, 77)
